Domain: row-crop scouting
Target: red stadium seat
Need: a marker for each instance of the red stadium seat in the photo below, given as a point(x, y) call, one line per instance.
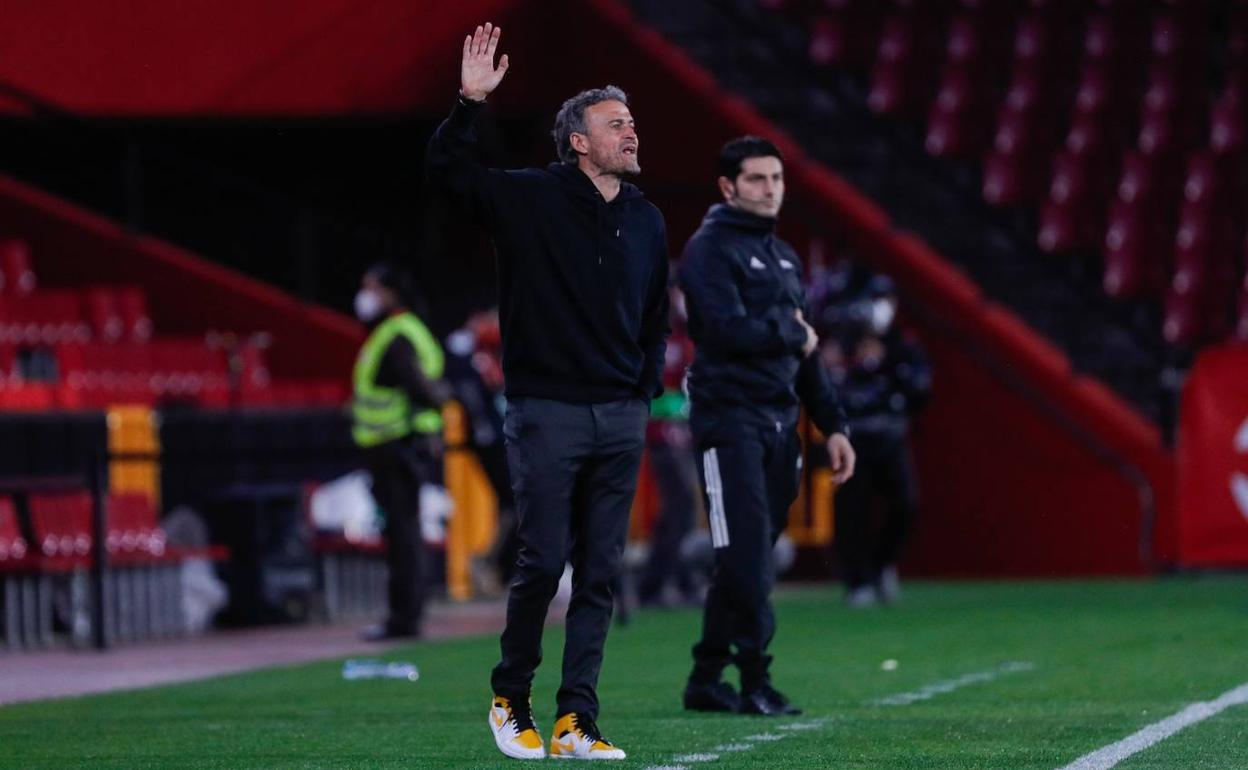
point(43, 318)
point(13, 548)
point(104, 314)
point(1136, 252)
point(1165, 135)
point(132, 303)
point(958, 123)
point(61, 522)
point(1202, 289)
point(16, 276)
point(1072, 217)
point(904, 76)
point(844, 33)
point(1228, 127)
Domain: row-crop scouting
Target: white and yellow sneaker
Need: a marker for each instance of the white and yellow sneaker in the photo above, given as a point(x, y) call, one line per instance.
point(577, 737)
point(514, 731)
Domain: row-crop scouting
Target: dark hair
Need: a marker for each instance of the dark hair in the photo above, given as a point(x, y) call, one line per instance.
point(571, 117)
point(738, 150)
point(396, 279)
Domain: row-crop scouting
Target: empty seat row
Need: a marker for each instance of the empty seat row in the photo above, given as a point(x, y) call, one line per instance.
point(1099, 115)
point(51, 316)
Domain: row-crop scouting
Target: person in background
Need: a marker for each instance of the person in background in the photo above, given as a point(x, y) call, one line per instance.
point(883, 378)
point(476, 377)
point(675, 471)
point(397, 415)
point(751, 374)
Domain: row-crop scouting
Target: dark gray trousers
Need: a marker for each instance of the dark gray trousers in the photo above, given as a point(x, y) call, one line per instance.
point(574, 473)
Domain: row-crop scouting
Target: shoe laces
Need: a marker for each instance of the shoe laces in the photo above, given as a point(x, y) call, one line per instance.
point(587, 727)
point(521, 715)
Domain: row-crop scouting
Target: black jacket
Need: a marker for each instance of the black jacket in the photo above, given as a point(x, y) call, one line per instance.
point(582, 282)
point(881, 396)
point(742, 285)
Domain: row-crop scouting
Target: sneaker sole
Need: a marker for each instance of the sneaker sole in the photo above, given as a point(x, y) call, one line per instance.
point(515, 752)
point(589, 759)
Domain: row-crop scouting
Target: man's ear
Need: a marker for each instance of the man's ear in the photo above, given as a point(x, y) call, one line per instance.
point(727, 188)
point(579, 143)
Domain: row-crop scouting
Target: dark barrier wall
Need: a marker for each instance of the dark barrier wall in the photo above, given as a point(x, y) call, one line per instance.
point(235, 57)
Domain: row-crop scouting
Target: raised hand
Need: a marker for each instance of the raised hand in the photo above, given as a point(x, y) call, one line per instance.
point(478, 76)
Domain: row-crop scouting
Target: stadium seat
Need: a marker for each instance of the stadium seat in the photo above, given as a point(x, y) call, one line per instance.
point(13, 549)
point(132, 303)
point(844, 33)
point(1136, 251)
point(104, 314)
point(1228, 127)
point(958, 124)
point(16, 276)
point(903, 78)
point(1072, 217)
point(1015, 168)
point(43, 318)
point(1202, 289)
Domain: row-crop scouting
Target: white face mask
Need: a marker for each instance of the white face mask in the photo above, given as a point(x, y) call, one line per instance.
point(882, 312)
point(367, 305)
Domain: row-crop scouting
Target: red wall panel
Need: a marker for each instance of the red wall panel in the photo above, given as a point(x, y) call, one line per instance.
point(1213, 461)
point(236, 57)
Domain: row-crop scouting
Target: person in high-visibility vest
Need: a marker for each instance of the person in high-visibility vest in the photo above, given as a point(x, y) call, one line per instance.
point(397, 419)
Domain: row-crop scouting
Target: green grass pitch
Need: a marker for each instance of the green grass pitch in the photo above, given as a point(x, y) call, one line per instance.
point(1108, 659)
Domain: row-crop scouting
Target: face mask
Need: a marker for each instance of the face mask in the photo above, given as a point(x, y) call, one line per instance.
point(882, 312)
point(461, 342)
point(367, 305)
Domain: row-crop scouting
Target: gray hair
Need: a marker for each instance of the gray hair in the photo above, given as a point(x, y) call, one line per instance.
point(571, 117)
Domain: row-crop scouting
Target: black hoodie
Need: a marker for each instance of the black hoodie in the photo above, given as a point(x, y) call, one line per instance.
point(742, 285)
point(582, 282)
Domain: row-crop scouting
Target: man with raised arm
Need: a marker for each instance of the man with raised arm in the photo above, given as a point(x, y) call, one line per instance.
point(582, 267)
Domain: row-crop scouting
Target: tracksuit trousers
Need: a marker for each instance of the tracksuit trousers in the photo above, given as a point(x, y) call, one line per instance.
point(574, 473)
point(749, 476)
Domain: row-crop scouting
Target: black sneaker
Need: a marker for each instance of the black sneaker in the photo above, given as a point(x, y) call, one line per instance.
point(767, 701)
point(711, 697)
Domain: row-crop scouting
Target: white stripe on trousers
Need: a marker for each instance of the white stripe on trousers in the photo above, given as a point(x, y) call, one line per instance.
point(715, 494)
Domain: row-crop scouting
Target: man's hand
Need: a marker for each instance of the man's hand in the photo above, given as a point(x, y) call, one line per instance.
point(842, 458)
point(477, 75)
point(812, 339)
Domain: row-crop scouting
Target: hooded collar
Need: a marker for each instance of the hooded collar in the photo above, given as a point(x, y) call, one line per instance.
point(721, 214)
point(578, 183)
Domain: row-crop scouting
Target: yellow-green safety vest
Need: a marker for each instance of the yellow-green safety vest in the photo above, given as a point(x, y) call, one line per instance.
point(384, 414)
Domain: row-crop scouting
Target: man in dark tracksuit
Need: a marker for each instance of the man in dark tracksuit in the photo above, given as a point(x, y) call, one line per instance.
point(582, 263)
point(752, 367)
point(398, 423)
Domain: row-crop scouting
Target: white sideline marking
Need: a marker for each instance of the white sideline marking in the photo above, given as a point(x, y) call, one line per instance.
point(696, 758)
point(667, 767)
point(766, 737)
point(814, 724)
point(726, 747)
point(1107, 757)
point(927, 692)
